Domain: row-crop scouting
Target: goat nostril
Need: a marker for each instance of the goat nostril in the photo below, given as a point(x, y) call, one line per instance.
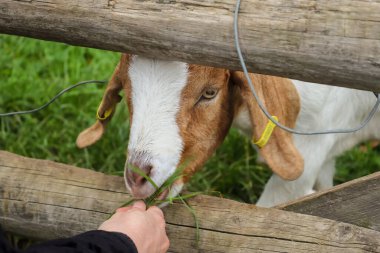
point(138, 179)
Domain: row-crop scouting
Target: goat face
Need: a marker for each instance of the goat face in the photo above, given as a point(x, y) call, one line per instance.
point(179, 115)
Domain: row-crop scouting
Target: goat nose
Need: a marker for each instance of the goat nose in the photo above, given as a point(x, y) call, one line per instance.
point(135, 176)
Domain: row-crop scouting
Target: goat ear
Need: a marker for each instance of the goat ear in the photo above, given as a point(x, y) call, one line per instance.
point(105, 112)
point(281, 99)
point(90, 135)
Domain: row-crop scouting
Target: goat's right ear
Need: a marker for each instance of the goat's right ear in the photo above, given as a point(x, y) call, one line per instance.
point(281, 99)
point(105, 112)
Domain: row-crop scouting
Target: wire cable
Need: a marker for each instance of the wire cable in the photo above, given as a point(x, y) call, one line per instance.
point(53, 99)
point(262, 107)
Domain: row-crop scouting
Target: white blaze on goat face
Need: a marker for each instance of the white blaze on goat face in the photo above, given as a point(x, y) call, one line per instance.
point(155, 138)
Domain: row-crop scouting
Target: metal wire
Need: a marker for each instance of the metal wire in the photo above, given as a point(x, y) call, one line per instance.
point(262, 107)
point(52, 100)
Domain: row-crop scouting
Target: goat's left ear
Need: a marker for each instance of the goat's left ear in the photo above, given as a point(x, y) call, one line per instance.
point(281, 99)
point(105, 112)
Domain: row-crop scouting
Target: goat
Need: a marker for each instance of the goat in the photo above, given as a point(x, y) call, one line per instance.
point(182, 112)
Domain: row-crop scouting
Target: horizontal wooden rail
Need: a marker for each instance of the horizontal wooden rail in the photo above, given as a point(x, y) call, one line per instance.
point(356, 202)
point(45, 200)
point(332, 42)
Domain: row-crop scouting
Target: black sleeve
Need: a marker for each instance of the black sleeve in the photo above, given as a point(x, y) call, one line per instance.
point(4, 244)
point(96, 241)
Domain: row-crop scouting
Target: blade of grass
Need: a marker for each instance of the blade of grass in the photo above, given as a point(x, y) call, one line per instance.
point(192, 211)
point(143, 174)
point(170, 200)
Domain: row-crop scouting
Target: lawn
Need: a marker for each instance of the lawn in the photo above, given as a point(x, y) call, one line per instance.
point(32, 72)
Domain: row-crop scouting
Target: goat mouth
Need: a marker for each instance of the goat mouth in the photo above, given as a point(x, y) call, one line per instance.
point(163, 195)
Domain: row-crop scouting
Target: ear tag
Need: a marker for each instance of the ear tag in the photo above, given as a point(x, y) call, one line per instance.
point(107, 113)
point(266, 134)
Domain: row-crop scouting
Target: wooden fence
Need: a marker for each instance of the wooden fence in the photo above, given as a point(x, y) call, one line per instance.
point(332, 42)
point(44, 200)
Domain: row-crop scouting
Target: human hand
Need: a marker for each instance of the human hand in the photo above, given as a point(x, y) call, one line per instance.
point(146, 228)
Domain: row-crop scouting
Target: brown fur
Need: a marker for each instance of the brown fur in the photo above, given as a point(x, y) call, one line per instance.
point(204, 124)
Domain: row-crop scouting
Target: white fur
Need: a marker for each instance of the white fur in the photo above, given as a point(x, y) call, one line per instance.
point(156, 92)
point(323, 107)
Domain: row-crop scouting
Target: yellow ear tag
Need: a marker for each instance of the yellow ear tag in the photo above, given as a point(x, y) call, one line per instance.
point(266, 134)
point(107, 113)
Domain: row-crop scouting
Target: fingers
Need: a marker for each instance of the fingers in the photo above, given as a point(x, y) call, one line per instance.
point(139, 205)
point(123, 209)
point(157, 211)
point(166, 244)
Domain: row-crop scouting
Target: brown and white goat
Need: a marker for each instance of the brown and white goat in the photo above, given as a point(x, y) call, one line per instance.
point(181, 112)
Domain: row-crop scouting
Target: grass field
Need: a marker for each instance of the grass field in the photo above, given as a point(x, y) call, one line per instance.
point(33, 71)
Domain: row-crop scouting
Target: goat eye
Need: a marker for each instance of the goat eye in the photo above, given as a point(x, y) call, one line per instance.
point(209, 93)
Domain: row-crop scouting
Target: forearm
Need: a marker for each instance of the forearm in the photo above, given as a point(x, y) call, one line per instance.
point(96, 241)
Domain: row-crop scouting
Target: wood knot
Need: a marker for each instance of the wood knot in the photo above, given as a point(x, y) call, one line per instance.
point(111, 3)
point(344, 232)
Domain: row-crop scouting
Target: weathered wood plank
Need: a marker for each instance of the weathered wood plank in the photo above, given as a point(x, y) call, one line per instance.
point(356, 202)
point(45, 200)
point(323, 41)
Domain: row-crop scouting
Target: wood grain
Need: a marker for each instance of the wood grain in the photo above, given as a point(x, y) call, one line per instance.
point(322, 41)
point(356, 202)
point(45, 200)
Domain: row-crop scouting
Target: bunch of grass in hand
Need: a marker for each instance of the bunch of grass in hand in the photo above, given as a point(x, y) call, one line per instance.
point(154, 200)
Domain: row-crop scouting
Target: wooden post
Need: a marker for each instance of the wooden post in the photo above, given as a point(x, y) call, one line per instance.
point(46, 200)
point(332, 42)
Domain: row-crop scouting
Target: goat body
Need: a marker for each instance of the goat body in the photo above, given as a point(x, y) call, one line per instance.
point(322, 107)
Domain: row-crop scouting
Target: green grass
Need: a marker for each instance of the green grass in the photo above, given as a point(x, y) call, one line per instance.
point(32, 71)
